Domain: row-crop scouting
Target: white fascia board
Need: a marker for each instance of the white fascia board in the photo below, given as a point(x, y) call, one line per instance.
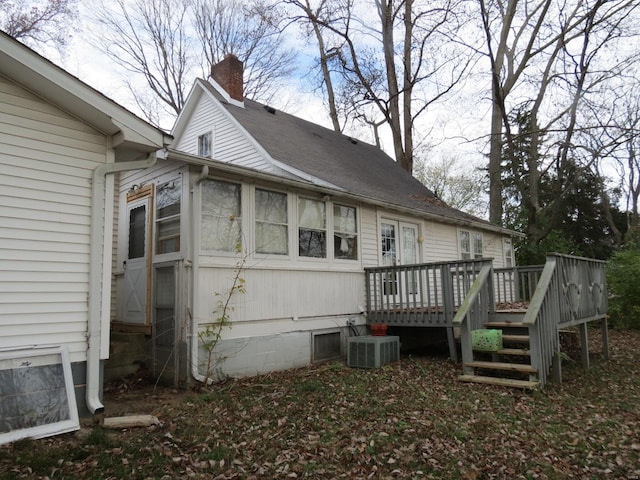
point(69, 93)
point(187, 110)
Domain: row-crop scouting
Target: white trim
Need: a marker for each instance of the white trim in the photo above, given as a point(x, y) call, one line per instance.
point(68, 425)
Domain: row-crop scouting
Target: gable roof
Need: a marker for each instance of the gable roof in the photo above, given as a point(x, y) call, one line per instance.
point(351, 165)
point(132, 135)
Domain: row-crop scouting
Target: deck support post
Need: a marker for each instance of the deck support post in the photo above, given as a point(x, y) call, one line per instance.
point(556, 367)
point(453, 351)
point(584, 345)
point(604, 328)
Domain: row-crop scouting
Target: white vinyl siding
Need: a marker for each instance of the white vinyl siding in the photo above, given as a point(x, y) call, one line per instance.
point(46, 163)
point(229, 144)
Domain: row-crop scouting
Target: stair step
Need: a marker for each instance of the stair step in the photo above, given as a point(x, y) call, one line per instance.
point(514, 351)
point(504, 382)
point(511, 367)
point(499, 325)
point(513, 317)
point(515, 338)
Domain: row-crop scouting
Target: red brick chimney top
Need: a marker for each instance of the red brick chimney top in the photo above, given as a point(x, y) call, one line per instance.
point(228, 74)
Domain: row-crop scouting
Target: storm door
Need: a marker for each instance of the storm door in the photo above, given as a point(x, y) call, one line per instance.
point(137, 267)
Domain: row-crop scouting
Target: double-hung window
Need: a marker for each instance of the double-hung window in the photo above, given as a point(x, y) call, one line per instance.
point(470, 245)
point(168, 199)
point(272, 232)
point(507, 248)
point(312, 228)
point(204, 144)
point(221, 220)
point(345, 233)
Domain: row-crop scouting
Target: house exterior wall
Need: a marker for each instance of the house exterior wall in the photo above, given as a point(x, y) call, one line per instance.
point(46, 163)
point(288, 298)
point(229, 144)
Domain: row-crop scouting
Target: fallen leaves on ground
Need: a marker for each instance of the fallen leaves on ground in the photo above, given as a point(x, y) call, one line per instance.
point(412, 419)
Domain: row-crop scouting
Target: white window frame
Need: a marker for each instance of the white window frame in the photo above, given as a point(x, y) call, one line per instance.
point(237, 218)
point(300, 227)
point(204, 145)
point(507, 252)
point(177, 181)
point(473, 252)
point(335, 231)
point(256, 221)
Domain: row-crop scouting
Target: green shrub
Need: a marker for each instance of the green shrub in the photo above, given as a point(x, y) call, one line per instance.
point(623, 282)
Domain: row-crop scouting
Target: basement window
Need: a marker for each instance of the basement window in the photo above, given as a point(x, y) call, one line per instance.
point(326, 346)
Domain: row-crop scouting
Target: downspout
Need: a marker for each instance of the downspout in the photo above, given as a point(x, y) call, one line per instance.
point(194, 322)
point(96, 243)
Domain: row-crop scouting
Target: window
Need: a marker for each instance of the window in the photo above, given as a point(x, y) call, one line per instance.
point(137, 231)
point(470, 245)
point(345, 233)
point(168, 217)
point(326, 346)
point(465, 245)
point(477, 245)
point(312, 228)
point(507, 248)
point(204, 144)
point(220, 216)
point(271, 222)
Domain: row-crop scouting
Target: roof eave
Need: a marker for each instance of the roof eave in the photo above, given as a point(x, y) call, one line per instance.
point(308, 185)
point(48, 81)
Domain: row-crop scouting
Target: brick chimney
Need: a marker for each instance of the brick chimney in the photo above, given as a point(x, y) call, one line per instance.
point(228, 74)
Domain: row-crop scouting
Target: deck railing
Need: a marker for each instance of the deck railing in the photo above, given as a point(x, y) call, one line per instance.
point(474, 311)
point(571, 291)
point(426, 294)
point(515, 284)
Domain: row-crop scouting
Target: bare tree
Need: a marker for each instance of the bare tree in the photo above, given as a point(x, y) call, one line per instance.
point(251, 32)
point(37, 23)
point(148, 39)
point(546, 53)
point(393, 66)
point(159, 42)
point(453, 182)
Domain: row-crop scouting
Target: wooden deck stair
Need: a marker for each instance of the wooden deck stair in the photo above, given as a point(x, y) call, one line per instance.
point(510, 366)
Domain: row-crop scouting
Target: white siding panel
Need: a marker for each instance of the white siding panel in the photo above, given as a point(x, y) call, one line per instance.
point(278, 294)
point(369, 237)
point(46, 162)
point(229, 143)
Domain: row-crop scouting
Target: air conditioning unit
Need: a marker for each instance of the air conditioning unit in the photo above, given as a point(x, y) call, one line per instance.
point(371, 351)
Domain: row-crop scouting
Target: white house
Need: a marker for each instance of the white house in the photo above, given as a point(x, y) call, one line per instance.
point(310, 209)
point(61, 146)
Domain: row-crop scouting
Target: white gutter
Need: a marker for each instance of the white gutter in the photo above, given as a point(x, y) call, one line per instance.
point(96, 243)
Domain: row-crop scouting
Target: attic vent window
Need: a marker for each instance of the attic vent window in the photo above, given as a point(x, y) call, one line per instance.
point(270, 110)
point(204, 144)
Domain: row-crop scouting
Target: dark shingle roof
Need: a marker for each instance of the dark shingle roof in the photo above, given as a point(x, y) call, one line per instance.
point(356, 167)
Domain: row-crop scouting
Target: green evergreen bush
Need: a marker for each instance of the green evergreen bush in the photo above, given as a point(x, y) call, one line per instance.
point(623, 283)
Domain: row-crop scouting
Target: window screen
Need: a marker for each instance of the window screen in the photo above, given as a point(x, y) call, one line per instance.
point(220, 216)
point(312, 228)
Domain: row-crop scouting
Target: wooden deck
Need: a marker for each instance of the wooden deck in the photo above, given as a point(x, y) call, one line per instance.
point(470, 295)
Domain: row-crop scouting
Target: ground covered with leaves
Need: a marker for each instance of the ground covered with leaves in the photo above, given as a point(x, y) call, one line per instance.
point(411, 419)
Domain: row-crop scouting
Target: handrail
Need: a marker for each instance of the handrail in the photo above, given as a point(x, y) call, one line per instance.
point(472, 296)
point(473, 312)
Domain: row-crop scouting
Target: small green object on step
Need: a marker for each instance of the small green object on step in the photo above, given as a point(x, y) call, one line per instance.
point(486, 340)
